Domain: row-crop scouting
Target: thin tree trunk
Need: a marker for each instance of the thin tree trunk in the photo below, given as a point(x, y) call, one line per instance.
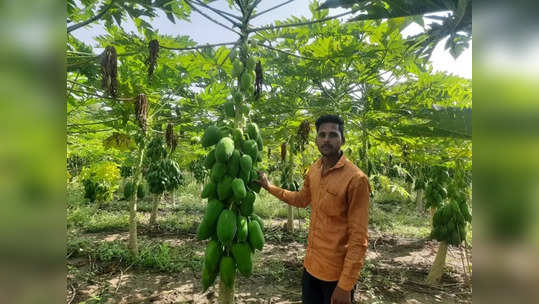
point(437, 268)
point(226, 294)
point(419, 201)
point(133, 244)
point(171, 198)
point(462, 258)
point(365, 156)
point(290, 222)
point(153, 216)
point(120, 192)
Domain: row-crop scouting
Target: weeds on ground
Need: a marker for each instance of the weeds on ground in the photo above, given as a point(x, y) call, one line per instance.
point(159, 256)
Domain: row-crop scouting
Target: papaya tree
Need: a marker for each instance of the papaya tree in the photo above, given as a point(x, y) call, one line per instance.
point(287, 181)
point(156, 174)
point(235, 151)
point(140, 109)
point(125, 172)
point(174, 175)
point(450, 220)
point(289, 176)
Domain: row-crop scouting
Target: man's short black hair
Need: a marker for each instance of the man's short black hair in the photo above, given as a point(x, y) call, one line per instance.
point(333, 119)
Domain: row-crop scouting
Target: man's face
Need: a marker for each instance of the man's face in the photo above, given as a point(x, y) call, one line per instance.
point(329, 139)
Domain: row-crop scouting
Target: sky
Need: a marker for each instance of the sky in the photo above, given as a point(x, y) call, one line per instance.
point(204, 31)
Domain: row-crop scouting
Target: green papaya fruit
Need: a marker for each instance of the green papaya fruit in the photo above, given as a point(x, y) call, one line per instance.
point(212, 256)
point(256, 237)
point(259, 143)
point(245, 176)
point(247, 205)
point(210, 160)
point(210, 190)
point(224, 149)
point(259, 221)
point(237, 68)
point(246, 163)
point(250, 148)
point(234, 164)
point(252, 130)
point(251, 62)
point(242, 256)
point(208, 278)
point(230, 109)
point(224, 188)
point(238, 189)
point(226, 227)
point(243, 229)
point(203, 231)
point(228, 271)
point(237, 136)
point(218, 171)
point(211, 136)
point(212, 213)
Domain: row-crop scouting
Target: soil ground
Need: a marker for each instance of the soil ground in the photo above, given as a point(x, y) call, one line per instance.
point(394, 272)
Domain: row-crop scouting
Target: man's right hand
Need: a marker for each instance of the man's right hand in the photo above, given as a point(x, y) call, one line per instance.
point(263, 181)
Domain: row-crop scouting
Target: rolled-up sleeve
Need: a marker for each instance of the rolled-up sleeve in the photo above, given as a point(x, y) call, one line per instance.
point(358, 220)
point(299, 199)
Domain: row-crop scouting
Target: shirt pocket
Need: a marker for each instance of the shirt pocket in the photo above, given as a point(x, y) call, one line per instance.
point(331, 203)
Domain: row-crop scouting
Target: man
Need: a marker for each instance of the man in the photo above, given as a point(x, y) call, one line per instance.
point(338, 193)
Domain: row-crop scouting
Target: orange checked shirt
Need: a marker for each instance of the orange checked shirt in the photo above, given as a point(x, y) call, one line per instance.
point(339, 219)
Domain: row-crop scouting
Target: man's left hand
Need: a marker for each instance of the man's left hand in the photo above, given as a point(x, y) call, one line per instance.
point(341, 296)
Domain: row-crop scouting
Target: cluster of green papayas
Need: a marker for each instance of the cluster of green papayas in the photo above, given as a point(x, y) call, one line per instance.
point(243, 69)
point(436, 191)
point(450, 222)
point(235, 231)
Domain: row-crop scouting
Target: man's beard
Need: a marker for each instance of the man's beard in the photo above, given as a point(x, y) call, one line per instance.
point(329, 151)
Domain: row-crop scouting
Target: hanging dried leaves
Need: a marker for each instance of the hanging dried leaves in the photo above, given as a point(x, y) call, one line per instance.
point(259, 80)
point(109, 70)
point(303, 131)
point(153, 47)
point(303, 135)
point(141, 105)
point(171, 139)
point(283, 151)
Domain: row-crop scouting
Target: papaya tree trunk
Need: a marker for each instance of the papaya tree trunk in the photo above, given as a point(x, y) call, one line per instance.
point(153, 216)
point(133, 244)
point(364, 151)
point(120, 191)
point(290, 222)
point(171, 198)
point(437, 268)
point(226, 294)
point(419, 201)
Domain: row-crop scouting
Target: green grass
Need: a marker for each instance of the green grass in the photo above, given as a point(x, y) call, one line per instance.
point(387, 216)
point(92, 219)
point(158, 256)
point(268, 206)
point(401, 219)
point(178, 222)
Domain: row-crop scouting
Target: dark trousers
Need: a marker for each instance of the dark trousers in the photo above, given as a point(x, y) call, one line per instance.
point(315, 291)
